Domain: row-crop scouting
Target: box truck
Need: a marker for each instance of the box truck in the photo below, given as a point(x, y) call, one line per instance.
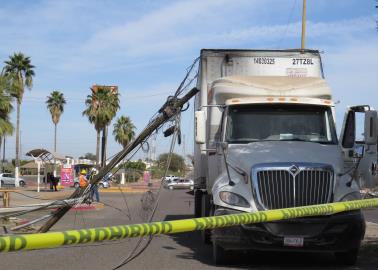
point(265, 134)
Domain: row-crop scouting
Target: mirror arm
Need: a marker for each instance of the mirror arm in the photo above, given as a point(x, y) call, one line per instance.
point(354, 176)
point(230, 182)
point(224, 147)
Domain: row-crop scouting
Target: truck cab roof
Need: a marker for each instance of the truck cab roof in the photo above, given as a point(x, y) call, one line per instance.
point(234, 87)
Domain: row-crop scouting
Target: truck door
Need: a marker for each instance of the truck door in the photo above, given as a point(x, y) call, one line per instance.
point(360, 155)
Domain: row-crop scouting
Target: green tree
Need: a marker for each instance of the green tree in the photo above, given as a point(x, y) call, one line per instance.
point(55, 104)
point(177, 162)
point(101, 108)
point(137, 165)
point(6, 127)
point(123, 130)
point(21, 72)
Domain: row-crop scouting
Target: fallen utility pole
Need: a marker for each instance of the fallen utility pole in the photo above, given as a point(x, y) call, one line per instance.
point(170, 108)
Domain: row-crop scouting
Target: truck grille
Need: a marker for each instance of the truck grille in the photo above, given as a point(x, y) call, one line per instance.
point(295, 185)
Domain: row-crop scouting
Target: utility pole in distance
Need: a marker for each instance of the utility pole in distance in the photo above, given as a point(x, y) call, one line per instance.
point(303, 25)
point(3, 154)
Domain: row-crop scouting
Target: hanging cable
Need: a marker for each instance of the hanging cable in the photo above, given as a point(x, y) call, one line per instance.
point(288, 23)
point(132, 255)
point(189, 70)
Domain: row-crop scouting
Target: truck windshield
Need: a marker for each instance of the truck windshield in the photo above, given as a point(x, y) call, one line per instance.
point(280, 122)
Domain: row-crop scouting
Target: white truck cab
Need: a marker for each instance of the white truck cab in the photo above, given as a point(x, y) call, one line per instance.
point(266, 139)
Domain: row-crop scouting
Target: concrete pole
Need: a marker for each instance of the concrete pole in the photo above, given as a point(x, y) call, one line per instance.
point(122, 178)
point(38, 175)
point(303, 25)
point(166, 113)
point(3, 161)
point(54, 168)
point(17, 176)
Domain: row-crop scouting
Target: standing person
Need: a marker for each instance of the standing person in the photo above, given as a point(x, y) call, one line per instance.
point(55, 182)
point(50, 179)
point(94, 191)
point(83, 182)
point(44, 181)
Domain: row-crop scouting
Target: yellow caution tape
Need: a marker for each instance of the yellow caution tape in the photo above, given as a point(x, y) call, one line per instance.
point(72, 237)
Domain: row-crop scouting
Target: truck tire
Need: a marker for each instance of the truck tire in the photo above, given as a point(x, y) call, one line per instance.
point(197, 203)
point(220, 255)
point(347, 258)
point(205, 210)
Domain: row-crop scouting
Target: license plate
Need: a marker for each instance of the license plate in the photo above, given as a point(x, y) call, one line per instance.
point(293, 241)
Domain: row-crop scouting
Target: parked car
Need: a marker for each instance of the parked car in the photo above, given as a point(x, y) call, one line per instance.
point(9, 179)
point(109, 177)
point(168, 182)
point(170, 178)
point(181, 183)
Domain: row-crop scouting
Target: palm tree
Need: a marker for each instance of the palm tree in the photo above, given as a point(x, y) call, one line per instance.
point(6, 127)
point(55, 104)
point(101, 107)
point(21, 71)
point(123, 130)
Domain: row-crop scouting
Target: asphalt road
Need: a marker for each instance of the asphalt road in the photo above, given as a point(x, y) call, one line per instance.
point(180, 251)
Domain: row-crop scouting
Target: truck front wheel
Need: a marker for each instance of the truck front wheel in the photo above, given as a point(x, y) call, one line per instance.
point(197, 203)
point(347, 258)
point(205, 211)
point(220, 255)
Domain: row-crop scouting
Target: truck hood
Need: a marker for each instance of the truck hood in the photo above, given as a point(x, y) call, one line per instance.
point(245, 156)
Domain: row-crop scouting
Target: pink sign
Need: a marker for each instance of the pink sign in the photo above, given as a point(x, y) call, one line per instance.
point(146, 176)
point(67, 175)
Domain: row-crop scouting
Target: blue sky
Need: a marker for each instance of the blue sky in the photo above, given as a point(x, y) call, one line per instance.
point(144, 47)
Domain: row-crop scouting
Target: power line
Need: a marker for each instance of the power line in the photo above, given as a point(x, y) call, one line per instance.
point(288, 23)
point(132, 255)
point(40, 100)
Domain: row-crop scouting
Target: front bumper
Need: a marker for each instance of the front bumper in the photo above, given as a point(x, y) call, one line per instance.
point(338, 232)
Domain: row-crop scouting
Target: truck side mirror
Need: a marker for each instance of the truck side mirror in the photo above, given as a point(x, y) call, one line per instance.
point(370, 131)
point(357, 152)
point(200, 127)
point(349, 135)
point(221, 147)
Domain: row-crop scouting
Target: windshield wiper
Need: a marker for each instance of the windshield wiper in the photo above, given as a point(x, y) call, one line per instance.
point(303, 140)
point(295, 139)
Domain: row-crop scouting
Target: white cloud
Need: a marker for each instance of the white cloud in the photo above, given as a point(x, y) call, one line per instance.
point(352, 72)
point(138, 45)
point(186, 27)
point(67, 34)
point(166, 24)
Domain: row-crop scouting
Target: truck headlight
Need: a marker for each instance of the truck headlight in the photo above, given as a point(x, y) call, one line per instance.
point(233, 199)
